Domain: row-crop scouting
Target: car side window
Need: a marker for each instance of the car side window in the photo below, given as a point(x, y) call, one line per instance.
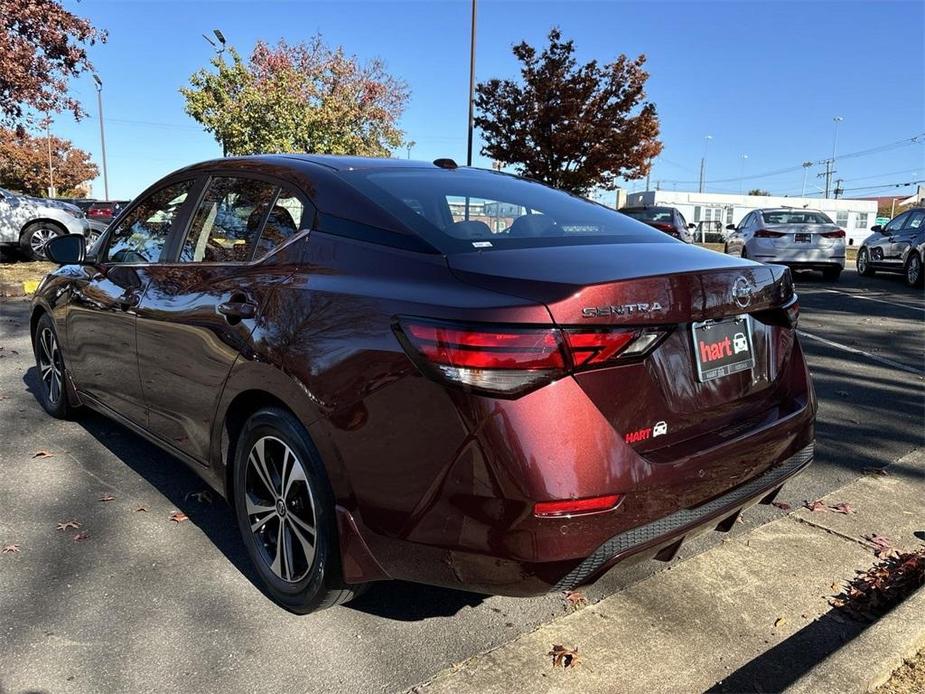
point(745, 222)
point(914, 221)
point(142, 235)
point(227, 223)
point(286, 217)
point(896, 223)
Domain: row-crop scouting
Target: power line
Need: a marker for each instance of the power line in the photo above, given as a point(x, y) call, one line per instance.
point(905, 142)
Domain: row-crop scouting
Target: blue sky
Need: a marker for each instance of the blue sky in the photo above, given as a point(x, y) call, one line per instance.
point(764, 79)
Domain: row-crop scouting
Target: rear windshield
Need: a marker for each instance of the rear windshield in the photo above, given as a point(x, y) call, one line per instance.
point(464, 209)
point(794, 217)
point(650, 214)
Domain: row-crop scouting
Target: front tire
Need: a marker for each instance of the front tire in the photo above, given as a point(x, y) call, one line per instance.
point(831, 274)
point(50, 363)
point(285, 511)
point(863, 264)
point(913, 270)
point(35, 236)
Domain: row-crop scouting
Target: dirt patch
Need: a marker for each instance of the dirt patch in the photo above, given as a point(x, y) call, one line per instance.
point(14, 274)
point(908, 679)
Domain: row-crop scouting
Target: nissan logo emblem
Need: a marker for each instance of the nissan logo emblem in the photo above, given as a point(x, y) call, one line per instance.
point(742, 292)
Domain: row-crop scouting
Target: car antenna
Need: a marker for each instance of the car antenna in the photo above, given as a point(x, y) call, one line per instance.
point(445, 163)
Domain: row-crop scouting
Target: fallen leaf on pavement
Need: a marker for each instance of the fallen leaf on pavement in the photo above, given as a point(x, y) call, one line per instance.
point(564, 657)
point(141, 508)
point(107, 497)
point(782, 505)
point(202, 497)
point(779, 621)
point(42, 454)
point(67, 524)
point(178, 517)
point(817, 505)
point(873, 592)
point(9, 549)
point(879, 541)
point(574, 598)
point(876, 471)
point(81, 536)
point(841, 507)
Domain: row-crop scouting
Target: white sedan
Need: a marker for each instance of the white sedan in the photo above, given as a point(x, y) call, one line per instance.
point(801, 239)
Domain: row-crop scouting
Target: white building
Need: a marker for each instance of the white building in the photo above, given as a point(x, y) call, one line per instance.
point(711, 211)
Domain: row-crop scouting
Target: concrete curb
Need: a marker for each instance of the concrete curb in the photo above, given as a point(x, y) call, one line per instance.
point(868, 660)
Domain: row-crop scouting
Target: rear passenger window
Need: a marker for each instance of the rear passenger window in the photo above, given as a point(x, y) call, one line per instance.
point(226, 227)
point(284, 220)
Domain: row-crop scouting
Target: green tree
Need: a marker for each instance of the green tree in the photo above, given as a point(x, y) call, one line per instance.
point(306, 97)
point(575, 127)
point(758, 191)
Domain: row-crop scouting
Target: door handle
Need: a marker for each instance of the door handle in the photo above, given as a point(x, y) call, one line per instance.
point(236, 310)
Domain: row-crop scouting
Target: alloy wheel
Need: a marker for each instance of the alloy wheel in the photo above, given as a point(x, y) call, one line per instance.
point(51, 366)
point(280, 509)
point(862, 262)
point(913, 270)
point(39, 238)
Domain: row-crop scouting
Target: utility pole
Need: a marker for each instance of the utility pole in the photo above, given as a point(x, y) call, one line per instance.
point(703, 159)
point(409, 145)
point(806, 165)
point(830, 165)
point(99, 100)
point(829, 171)
point(471, 85)
point(838, 189)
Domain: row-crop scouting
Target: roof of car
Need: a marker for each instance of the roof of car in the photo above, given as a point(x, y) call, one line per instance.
point(352, 163)
point(788, 209)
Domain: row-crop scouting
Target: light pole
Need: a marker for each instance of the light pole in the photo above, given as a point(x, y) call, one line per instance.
point(703, 159)
point(806, 165)
point(219, 49)
point(408, 145)
point(51, 170)
point(742, 173)
point(99, 101)
point(471, 85)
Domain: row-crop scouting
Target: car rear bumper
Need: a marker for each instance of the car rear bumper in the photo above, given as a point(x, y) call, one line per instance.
point(807, 258)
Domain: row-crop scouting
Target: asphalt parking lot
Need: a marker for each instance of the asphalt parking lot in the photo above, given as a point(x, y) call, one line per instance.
point(143, 603)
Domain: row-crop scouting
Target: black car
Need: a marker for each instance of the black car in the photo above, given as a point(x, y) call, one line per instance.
point(666, 219)
point(897, 247)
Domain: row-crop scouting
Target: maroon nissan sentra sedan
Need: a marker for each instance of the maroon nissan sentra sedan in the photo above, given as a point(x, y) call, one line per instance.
point(400, 370)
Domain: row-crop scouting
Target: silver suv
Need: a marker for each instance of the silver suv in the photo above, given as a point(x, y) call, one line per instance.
point(28, 223)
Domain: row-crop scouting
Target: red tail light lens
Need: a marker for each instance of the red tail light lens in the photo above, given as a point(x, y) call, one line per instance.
point(768, 234)
point(576, 507)
point(509, 361)
point(837, 234)
point(661, 226)
point(597, 347)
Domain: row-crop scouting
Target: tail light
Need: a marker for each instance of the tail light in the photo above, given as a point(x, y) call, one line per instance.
point(510, 361)
point(768, 234)
point(837, 234)
point(661, 226)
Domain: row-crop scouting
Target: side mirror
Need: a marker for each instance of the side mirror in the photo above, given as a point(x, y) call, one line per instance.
point(69, 249)
point(691, 226)
point(730, 227)
point(877, 229)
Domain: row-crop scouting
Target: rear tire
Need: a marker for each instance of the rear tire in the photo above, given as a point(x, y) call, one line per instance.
point(863, 264)
point(831, 274)
point(281, 489)
point(52, 393)
point(913, 270)
point(35, 236)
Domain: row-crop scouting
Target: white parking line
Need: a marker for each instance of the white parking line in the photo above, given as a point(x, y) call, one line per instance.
point(855, 350)
point(870, 298)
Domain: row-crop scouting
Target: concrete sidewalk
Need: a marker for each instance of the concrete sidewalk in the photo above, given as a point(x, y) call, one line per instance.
point(749, 615)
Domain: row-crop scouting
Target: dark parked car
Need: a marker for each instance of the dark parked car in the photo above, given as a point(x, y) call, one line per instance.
point(105, 210)
point(666, 219)
point(423, 372)
point(897, 247)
